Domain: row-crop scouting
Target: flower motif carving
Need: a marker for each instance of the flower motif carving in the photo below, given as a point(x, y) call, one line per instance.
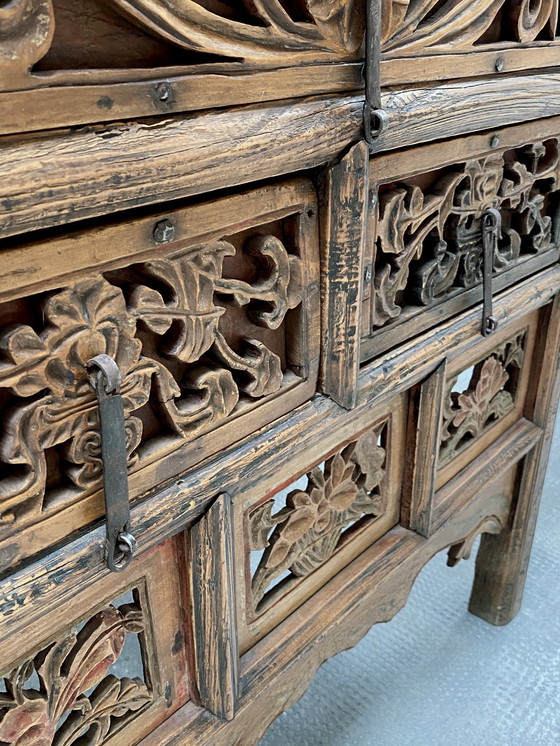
point(489, 397)
point(257, 30)
point(429, 241)
point(306, 532)
point(181, 361)
point(67, 669)
point(26, 32)
point(411, 26)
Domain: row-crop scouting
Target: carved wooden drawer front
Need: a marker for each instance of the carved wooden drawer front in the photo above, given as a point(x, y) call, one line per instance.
point(425, 250)
point(102, 664)
point(210, 312)
point(473, 416)
point(341, 498)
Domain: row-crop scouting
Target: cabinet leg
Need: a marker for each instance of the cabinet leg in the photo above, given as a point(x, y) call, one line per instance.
point(502, 560)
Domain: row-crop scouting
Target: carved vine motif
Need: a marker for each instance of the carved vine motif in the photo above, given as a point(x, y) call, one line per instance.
point(411, 26)
point(489, 396)
point(305, 533)
point(194, 374)
point(254, 29)
point(462, 551)
point(68, 671)
point(429, 241)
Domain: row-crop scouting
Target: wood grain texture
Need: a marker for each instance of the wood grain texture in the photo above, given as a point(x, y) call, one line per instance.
point(52, 180)
point(423, 438)
point(276, 671)
point(214, 617)
point(344, 220)
point(86, 173)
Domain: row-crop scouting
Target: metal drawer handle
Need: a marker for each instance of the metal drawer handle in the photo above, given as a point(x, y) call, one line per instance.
point(375, 119)
point(105, 378)
point(491, 228)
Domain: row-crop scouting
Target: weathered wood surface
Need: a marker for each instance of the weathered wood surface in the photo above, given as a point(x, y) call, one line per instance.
point(52, 181)
point(502, 561)
point(214, 613)
point(345, 207)
point(372, 589)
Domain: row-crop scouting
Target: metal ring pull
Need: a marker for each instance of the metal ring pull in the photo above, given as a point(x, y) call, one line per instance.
point(491, 223)
point(105, 378)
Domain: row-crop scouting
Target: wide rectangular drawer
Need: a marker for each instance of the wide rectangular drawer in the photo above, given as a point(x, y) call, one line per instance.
point(210, 312)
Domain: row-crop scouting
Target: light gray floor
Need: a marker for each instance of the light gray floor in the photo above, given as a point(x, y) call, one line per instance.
point(438, 676)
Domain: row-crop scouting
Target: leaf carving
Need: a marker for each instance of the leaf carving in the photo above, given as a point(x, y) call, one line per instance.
point(67, 669)
point(489, 396)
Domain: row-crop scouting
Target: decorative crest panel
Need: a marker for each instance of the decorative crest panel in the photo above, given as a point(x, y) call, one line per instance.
point(416, 26)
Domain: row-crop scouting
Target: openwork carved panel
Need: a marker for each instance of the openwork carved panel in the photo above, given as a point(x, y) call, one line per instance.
point(202, 335)
point(416, 26)
point(344, 491)
point(67, 693)
point(429, 245)
point(254, 30)
point(489, 395)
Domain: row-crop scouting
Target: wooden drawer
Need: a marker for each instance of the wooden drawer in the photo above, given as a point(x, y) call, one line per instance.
point(476, 415)
point(296, 529)
point(109, 659)
point(210, 312)
point(425, 251)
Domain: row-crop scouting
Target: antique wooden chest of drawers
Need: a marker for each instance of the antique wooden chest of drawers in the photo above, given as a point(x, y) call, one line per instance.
point(279, 321)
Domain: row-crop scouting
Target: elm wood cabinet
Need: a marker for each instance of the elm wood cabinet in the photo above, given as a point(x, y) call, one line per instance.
point(301, 405)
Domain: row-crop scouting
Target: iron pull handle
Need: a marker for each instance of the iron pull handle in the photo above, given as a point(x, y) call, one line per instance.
point(105, 378)
point(491, 228)
point(375, 118)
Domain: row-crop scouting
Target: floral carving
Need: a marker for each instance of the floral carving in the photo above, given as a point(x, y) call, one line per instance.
point(257, 30)
point(429, 241)
point(163, 331)
point(306, 532)
point(489, 396)
point(411, 26)
point(69, 668)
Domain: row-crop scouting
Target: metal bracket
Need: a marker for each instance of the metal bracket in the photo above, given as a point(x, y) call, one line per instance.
point(491, 224)
point(375, 118)
point(105, 378)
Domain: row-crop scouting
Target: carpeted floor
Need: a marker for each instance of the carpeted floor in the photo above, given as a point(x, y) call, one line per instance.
point(438, 676)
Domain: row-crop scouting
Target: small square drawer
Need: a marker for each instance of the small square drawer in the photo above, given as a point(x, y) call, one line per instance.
point(428, 206)
point(326, 505)
point(209, 311)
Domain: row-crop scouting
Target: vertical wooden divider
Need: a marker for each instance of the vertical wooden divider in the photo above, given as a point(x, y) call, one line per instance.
point(344, 221)
point(422, 448)
point(213, 596)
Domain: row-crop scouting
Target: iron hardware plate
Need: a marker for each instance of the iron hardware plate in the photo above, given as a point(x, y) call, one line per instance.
point(105, 378)
point(491, 227)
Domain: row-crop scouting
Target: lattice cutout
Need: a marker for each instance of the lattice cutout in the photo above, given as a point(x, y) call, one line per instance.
point(199, 335)
point(414, 26)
